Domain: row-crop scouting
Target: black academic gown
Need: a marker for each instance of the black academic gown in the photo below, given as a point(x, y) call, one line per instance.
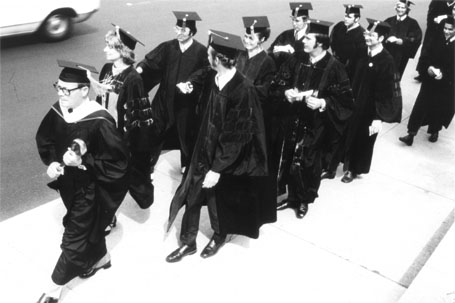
point(377, 96)
point(307, 134)
point(91, 196)
point(231, 142)
point(285, 38)
point(434, 105)
point(260, 69)
point(174, 111)
point(348, 46)
point(409, 31)
point(435, 9)
point(136, 124)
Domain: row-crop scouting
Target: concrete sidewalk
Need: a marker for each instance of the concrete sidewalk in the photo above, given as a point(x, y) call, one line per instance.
point(386, 237)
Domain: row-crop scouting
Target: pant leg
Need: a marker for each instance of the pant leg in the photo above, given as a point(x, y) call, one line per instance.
point(141, 187)
point(185, 124)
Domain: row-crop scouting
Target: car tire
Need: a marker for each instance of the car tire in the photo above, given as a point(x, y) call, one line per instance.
point(57, 27)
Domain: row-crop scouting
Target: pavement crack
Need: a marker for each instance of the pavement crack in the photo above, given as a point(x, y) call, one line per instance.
point(11, 82)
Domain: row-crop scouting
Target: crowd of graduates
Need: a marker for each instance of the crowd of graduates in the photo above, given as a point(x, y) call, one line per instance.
point(251, 124)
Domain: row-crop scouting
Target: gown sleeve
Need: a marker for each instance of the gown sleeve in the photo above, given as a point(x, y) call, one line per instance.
point(45, 139)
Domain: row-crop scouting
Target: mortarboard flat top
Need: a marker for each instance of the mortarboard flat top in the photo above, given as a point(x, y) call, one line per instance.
point(407, 2)
point(225, 43)
point(75, 72)
point(257, 22)
point(126, 37)
point(187, 16)
point(353, 8)
point(319, 27)
point(382, 28)
point(300, 8)
point(76, 66)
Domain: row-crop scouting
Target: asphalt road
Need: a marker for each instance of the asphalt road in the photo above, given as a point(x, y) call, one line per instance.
point(29, 67)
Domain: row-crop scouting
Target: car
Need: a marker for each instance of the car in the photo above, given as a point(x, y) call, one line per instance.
point(52, 19)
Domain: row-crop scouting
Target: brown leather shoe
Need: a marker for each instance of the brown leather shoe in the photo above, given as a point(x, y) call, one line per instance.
point(181, 252)
point(348, 177)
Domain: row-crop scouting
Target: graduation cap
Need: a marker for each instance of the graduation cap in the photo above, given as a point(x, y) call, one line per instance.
point(380, 27)
point(187, 19)
point(75, 72)
point(126, 37)
point(407, 2)
point(300, 9)
point(225, 43)
point(255, 24)
point(319, 27)
point(449, 20)
point(353, 8)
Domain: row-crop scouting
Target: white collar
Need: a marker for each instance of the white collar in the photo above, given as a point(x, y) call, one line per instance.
point(402, 17)
point(450, 4)
point(222, 80)
point(318, 58)
point(184, 47)
point(376, 51)
point(452, 39)
point(352, 27)
point(118, 70)
point(80, 112)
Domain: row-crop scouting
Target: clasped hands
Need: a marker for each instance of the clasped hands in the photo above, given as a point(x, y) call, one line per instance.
point(283, 48)
point(294, 95)
point(185, 87)
point(70, 158)
point(434, 72)
point(211, 179)
point(393, 39)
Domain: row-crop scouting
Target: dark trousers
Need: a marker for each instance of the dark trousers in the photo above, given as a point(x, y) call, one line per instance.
point(190, 220)
point(141, 187)
point(184, 131)
point(333, 149)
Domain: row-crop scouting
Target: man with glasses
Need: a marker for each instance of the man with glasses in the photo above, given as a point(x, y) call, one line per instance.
point(88, 161)
point(377, 93)
point(170, 64)
point(291, 40)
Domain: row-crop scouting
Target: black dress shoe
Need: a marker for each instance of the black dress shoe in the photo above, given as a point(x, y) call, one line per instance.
point(46, 299)
point(94, 269)
point(301, 210)
point(327, 174)
point(408, 139)
point(182, 251)
point(348, 177)
point(212, 248)
point(433, 137)
point(285, 203)
point(111, 226)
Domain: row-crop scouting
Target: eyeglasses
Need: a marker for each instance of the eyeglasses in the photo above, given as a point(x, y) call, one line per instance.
point(65, 90)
